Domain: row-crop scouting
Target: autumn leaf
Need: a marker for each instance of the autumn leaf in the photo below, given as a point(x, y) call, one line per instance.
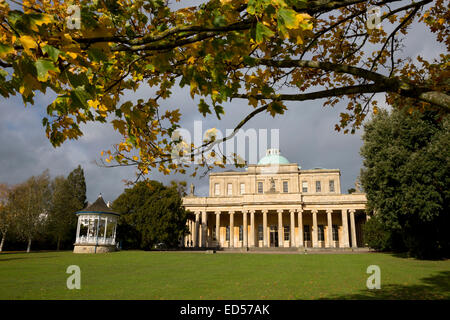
point(28, 43)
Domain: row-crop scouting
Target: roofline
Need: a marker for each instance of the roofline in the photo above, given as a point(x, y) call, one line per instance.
point(96, 212)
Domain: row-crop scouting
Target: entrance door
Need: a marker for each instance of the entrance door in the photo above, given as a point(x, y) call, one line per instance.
point(273, 236)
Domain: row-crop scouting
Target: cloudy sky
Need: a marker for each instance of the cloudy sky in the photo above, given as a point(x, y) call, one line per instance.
point(306, 136)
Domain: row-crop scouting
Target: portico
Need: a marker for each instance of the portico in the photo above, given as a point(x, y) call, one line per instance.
point(275, 204)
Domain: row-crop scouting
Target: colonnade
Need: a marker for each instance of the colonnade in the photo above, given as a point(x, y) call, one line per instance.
point(204, 233)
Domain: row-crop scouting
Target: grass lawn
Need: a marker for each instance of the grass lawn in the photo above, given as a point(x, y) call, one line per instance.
point(190, 275)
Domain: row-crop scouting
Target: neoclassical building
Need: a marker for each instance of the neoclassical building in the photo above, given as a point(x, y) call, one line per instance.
point(275, 203)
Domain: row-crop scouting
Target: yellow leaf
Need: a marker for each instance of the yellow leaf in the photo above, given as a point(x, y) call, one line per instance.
point(135, 158)
point(46, 18)
point(73, 55)
point(93, 104)
point(28, 43)
point(191, 60)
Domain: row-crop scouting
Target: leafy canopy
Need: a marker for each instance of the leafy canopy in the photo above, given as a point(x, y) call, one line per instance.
point(406, 177)
point(220, 50)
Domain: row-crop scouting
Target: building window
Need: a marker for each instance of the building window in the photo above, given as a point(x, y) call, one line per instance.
point(214, 234)
point(304, 186)
point(318, 188)
point(229, 189)
point(331, 185)
point(260, 187)
point(286, 233)
point(241, 233)
point(335, 233)
point(306, 233)
point(216, 189)
point(260, 232)
point(285, 187)
point(242, 188)
point(320, 234)
point(227, 236)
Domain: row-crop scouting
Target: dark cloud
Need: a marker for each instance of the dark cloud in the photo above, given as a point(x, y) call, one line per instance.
point(307, 136)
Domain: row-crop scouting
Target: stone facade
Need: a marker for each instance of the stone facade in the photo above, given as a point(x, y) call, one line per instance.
point(92, 248)
point(276, 204)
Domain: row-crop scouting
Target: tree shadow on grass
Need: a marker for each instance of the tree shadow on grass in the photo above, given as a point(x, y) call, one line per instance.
point(28, 256)
point(433, 288)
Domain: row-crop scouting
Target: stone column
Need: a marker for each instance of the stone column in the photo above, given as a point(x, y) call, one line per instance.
point(300, 228)
point(231, 229)
point(191, 235)
point(329, 229)
point(352, 223)
point(204, 229)
point(314, 230)
point(292, 235)
point(245, 227)
point(280, 228)
point(196, 229)
point(252, 228)
point(345, 241)
point(218, 228)
point(266, 243)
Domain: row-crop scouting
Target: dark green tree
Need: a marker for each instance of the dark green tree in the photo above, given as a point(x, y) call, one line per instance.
point(68, 197)
point(406, 178)
point(150, 213)
point(78, 185)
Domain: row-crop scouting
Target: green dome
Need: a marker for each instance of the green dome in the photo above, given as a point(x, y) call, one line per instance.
point(273, 157)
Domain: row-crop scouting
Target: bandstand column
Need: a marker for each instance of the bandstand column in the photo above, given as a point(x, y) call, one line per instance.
point(280, 228)
point(106, 228)
point(352, 224)
point(300, 228)
point(245, 227)
point(314, 231)
point(197, 219)
point(329, 229)
point(218, 228)
point(115, 229)
point(292, 235)
point(264, 211)
point(88, 235)
point(78, 230)
point(252, 228)
point(231, 245)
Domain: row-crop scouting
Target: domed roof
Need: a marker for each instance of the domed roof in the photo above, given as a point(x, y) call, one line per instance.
point(273, 157)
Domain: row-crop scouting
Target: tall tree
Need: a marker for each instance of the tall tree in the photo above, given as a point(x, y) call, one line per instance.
point(62, 220)
point(6, 218)
point(77, 184)
point(406, 177)
point(222, 49)
point(150, 213)
point(30, 203)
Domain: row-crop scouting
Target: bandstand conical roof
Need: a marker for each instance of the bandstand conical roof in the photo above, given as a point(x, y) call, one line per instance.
point(99, 206)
